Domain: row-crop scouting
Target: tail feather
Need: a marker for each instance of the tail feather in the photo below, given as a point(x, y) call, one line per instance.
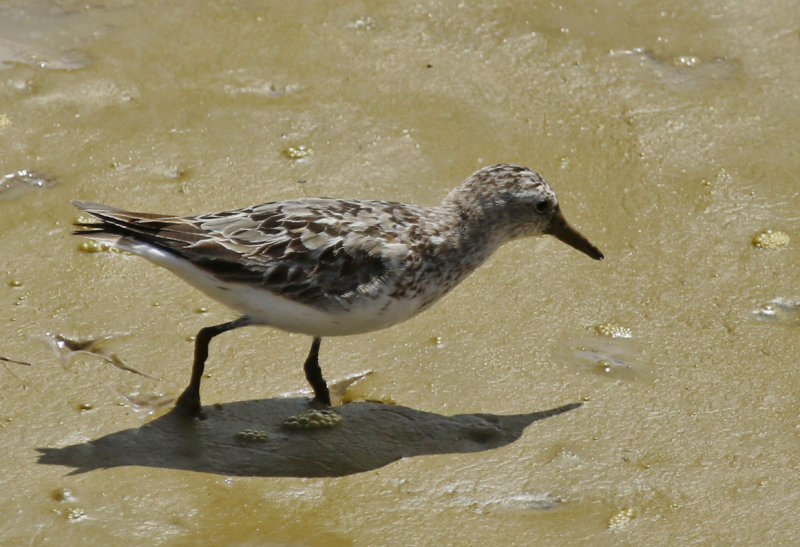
point(165, 231)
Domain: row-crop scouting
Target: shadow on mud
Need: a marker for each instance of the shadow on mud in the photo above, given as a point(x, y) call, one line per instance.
point(248, 438)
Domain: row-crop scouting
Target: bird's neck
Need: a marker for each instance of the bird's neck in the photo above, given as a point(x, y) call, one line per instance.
point(478, 221)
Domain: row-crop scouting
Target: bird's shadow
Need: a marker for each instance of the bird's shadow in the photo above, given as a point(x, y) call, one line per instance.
point(248, 438)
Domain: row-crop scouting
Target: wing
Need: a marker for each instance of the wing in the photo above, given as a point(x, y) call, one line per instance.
point(322, 252)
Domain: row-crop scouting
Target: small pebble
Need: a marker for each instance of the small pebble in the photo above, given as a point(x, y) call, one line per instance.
point(613, 330)
point(93, 246)
point(252, 436)
point(76, 513)
point(312, 419)
point(297, 152)
point(621, 518)
point(770, 239)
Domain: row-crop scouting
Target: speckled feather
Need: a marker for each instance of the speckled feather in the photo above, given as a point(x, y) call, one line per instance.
point(385, 260)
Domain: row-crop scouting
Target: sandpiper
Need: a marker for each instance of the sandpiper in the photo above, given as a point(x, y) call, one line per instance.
point(332, 267)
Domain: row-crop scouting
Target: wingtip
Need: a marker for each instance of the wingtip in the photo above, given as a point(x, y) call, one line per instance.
point(87, 205)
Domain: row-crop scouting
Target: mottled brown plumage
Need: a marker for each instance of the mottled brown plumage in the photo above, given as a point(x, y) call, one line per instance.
point(335, 266)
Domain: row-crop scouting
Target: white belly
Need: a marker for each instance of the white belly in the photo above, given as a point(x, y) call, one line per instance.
point(267, 308)
point(264, 307)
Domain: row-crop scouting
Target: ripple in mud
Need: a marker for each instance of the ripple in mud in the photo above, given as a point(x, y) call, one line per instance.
point(244, 82)
point(14, 361)
point(524, 502)
point(683, 71)
point(66, 349)
point(21, 182)
point(43, 35)
point(146, 403)
point(607, 355)
point(781, 311)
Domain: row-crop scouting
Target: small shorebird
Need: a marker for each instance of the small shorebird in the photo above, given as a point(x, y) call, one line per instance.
point(331, 267)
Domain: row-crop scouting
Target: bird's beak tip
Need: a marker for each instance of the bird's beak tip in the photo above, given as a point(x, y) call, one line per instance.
point(564, 232)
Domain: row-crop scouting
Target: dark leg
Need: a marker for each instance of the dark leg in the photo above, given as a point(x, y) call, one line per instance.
point(189, 401)
point(314, 375)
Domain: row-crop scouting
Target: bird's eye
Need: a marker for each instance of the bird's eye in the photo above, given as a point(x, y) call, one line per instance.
point(542, 206)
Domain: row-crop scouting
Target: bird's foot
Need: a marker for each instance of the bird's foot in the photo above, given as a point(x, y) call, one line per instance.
point(188, 405)
point(319, 403)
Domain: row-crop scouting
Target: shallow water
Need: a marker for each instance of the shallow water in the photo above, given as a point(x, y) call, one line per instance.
point(668, 131)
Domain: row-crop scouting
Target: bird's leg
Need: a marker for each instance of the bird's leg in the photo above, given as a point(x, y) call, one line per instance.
point(189, 401)
point(314, 375)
